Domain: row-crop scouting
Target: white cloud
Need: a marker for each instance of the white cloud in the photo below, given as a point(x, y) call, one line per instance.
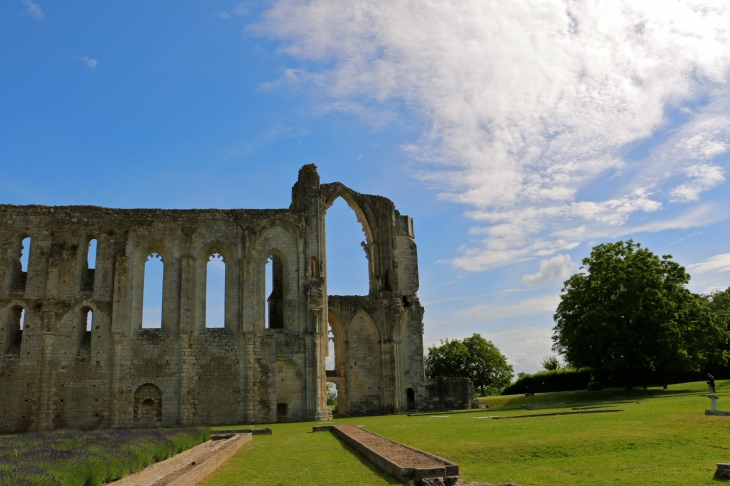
point(239, 10)
point(484, 313)
point(531, 104)
point(555, 268)
point(525, 347)
point(89, 61)
point(33, 10)
point(701, 178)
point(717, 263)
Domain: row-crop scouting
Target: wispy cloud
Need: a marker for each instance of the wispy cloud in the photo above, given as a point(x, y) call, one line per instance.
point(89, 61)
point(239, 10)
point(530, 104)
point(525, 347)
point(33, 10)
point(701, 178)
point(484, 313)
point(717, 263)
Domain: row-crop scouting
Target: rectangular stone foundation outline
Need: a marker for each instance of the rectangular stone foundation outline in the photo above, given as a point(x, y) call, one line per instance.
point(448, 474)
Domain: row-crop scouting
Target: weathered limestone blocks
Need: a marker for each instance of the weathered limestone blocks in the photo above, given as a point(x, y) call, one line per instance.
point(74, 353)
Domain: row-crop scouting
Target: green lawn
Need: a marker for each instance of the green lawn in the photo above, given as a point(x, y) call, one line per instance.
point(664, 440)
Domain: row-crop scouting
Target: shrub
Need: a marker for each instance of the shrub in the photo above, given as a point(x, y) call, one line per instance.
point(594, 386)
point(566, 379)
point(570, 379)
point(88, 458)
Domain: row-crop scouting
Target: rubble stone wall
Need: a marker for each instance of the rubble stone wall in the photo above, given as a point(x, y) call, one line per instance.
point(55, 373)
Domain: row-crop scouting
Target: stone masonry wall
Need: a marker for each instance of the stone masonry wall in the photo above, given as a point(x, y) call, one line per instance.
point(54, 373)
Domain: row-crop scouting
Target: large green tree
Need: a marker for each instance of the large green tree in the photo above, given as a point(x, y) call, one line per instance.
point(630, 310)
point(474, 358)
point(719, 303)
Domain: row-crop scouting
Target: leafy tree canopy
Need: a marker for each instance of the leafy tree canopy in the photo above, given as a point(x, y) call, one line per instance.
point(631, 310)
point(551, 363)
point(474, 358)
point(719, 302)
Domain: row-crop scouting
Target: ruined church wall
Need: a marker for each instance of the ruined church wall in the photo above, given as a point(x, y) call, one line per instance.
point(184, 373)
point(207, 376)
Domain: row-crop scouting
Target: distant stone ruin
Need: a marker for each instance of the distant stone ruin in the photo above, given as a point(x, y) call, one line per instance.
point(75, 352)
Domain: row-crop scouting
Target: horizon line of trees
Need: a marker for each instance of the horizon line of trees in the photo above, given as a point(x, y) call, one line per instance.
point(626, 312)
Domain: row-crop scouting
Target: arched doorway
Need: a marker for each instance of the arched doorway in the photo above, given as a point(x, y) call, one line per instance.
point(148, 406)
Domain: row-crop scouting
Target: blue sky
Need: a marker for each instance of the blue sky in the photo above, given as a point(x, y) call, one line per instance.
point(516, 134)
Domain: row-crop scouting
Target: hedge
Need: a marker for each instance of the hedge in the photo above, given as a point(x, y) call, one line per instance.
point(550, 381)
point(577, 379)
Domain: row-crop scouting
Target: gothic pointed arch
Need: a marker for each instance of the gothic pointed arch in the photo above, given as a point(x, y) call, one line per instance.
point(345, 194)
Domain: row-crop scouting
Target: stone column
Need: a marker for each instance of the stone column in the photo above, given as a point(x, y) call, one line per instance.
point(45, 372)
point(120, 329)
point(185, 357)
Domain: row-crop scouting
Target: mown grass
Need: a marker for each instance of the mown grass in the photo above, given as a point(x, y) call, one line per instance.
point(88, 458)
point(663, 440)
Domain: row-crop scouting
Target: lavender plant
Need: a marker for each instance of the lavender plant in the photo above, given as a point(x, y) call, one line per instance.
point(88, 458)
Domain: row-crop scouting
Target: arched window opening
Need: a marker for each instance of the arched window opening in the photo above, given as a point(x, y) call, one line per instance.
point(91, 254)
point(347, 265)
point(215, 292)
point(21, 267)
point(25, 254)
point(331, 359)
point(14, 331)
point(332, 396)
point(88, 277)
point(154, 270)
point(86, 327)
point(275, 291)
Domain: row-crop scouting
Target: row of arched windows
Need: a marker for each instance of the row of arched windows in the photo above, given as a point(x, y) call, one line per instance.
point(20, 270)
point(215, 292)
point(15, 326)
point(354, 277)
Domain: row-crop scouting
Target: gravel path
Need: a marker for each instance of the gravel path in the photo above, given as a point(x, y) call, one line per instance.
point(402, 456)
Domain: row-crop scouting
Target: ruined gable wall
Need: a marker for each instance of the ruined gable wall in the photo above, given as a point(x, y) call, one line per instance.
point(392, 306)
point(121, 375)
point(207, 375)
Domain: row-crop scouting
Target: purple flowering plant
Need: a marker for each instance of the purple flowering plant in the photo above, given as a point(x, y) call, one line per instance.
point(88, 458)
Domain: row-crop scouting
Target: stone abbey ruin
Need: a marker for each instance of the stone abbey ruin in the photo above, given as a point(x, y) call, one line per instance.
point(266, 364)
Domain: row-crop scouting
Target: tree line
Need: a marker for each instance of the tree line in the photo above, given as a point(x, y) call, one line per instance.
point(626, 311)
